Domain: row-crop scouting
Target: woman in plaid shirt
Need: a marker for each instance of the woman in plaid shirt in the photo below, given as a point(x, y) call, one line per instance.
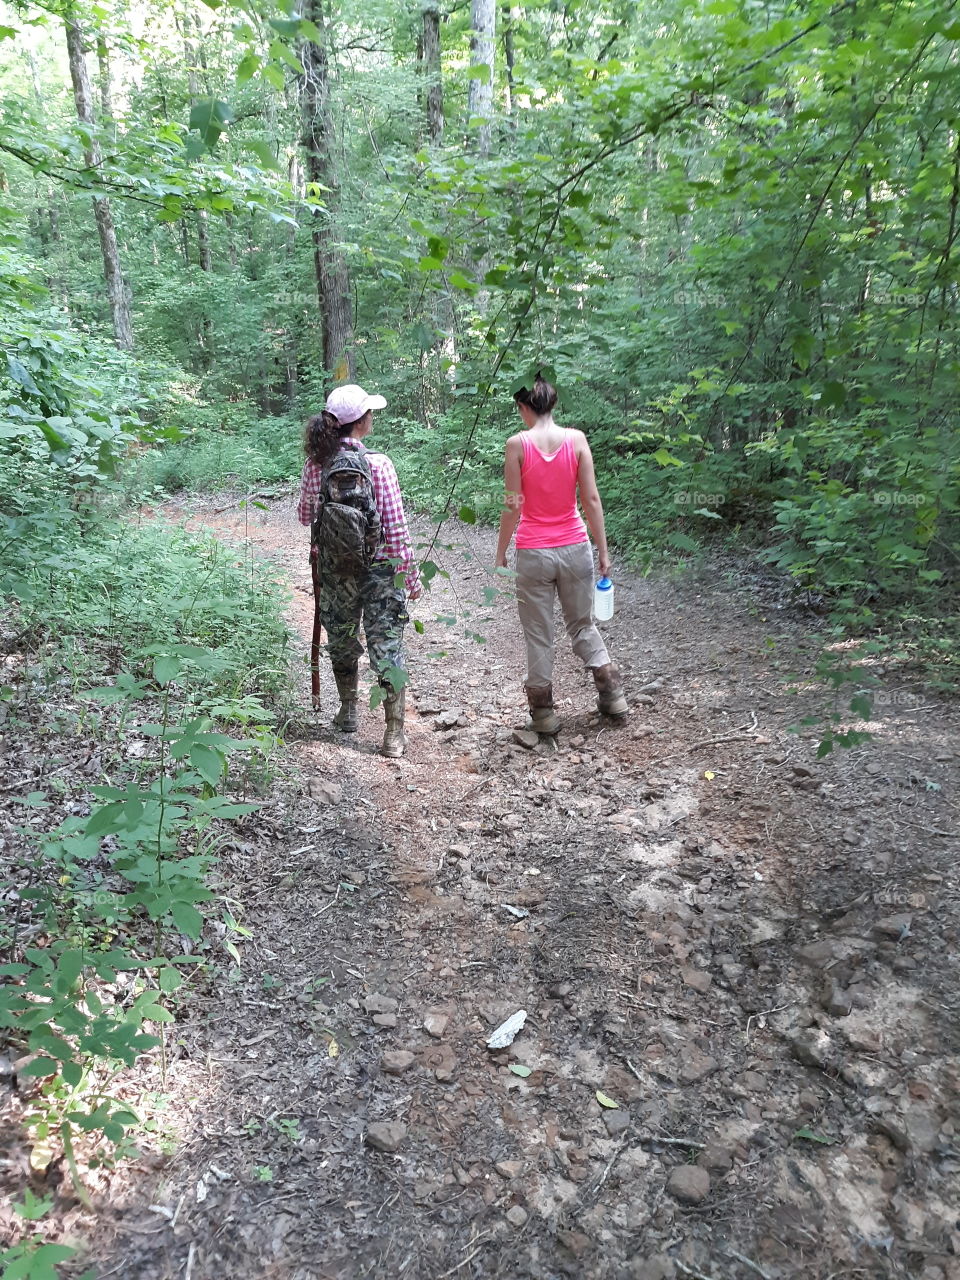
point(373, 599)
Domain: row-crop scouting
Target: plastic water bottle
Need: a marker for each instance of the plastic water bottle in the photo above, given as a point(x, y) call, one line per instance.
point(603, 600)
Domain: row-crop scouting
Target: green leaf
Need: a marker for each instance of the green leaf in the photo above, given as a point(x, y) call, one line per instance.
point(809, 1135)
point(168, 979)
point(862, 706)
point(207, 762)
point(187, 919)
point(666, 459)
point(72, 1072)
point(286, 27)
point(275, 76)
point(166, 668)
point(39, 1067)
point(480, 71)
point(418, 626)
point(209, 118)
point(607, 1102)
point(459, 281)
point(833, 395)
point(682, 541)
point(248, 67)
point(467, 515)
point(521, 1071)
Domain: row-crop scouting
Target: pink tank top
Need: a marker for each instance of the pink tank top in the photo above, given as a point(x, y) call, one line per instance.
point(549, 515)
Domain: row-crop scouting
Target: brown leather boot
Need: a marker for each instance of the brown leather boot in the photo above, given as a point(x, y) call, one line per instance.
point(347, 719)
point(393, 739)
point(610, 699)
point(543, 718)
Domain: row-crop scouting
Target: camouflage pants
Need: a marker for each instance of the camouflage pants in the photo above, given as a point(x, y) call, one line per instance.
point(374, 602)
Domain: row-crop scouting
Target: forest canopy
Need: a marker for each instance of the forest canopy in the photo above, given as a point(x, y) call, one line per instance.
point(728, 231)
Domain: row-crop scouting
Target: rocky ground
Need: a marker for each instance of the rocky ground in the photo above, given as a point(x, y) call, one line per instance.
point(739, 1056)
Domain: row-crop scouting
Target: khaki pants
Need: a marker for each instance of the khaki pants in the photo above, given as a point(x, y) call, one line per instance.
point(542, 575)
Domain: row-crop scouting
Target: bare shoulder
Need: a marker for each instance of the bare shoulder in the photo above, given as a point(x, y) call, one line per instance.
point(514, 444)
point(580, 441)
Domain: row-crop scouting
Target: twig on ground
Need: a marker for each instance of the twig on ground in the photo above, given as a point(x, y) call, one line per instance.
point(764, 1012)
point(671, 1142)
point(689, 1271)
point(735, 736)
point(330, 904)
point(732, 1253)
point(453, 1270)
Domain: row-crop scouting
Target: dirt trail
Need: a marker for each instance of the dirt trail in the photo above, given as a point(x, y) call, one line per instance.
point(749, 952)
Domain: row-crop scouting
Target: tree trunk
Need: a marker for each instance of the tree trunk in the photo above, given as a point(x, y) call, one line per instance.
point(431, 68)
point(330, 267)
point(112, 274)
point(106, 78)
point(510, 14)
point(483, 22)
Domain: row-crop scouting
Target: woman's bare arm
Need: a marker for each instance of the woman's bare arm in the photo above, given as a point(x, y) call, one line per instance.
point(590, 502)
point(512, 498)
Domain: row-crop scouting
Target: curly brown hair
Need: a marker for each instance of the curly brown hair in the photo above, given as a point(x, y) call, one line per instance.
point(322, 435)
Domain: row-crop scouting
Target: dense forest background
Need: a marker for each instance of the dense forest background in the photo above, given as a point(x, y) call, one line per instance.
point(728, 230)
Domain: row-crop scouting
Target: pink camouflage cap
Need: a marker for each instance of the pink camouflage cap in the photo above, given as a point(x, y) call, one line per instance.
point(350, 402)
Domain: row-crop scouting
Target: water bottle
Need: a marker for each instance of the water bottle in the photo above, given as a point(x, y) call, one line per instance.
point(603, 600)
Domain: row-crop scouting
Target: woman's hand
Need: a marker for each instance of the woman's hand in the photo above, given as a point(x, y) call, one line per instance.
point(604, 564)
point(414, 593)
point(501, 562)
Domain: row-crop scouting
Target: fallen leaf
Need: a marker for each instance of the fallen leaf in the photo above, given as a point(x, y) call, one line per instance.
point(518, 1070)
point(709, 775)
point(810, 1136)
point(607, 1102)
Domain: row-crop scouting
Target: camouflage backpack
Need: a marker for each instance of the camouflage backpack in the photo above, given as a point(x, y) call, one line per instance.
point(346, 528)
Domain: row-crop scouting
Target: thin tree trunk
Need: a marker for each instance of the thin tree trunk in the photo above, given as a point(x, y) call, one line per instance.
point(106, 78)
point(483, 22)
point(204, 256)
point(112, 274)
point(510, 14)
point(330, 267)
point(432, 69)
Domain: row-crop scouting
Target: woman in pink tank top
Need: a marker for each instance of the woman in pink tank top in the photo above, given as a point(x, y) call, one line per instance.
point(546, 468)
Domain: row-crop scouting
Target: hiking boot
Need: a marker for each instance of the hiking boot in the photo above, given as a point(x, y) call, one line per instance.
point(610, 699)
point(393, 739)
point(543, 718)
point(347, 718)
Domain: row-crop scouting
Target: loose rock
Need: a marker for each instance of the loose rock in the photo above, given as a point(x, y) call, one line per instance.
point(697, 1066)
point(526, 738)
point(697, 979)
point(396, 1061)
point(689, 1183)
point(812, 1047)
point(386, 1136)
point(517, 1216)
point(324, 792)
point(435, 1024)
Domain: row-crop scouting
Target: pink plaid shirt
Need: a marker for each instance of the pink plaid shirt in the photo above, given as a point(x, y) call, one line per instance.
point(386, 493)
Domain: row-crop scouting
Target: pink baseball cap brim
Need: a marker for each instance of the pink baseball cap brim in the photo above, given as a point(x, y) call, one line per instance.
point(350, 402)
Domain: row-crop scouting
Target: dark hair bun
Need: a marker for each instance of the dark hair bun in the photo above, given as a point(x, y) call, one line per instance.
point(541, 399)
